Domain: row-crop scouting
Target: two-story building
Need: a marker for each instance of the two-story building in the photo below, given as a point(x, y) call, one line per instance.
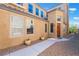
point(22, 21)
point(58, 21)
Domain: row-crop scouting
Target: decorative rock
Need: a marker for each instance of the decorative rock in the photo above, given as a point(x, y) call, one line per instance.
point(27, 42)
point(42, 38)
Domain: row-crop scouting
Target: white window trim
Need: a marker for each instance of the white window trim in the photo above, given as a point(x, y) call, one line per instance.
point(18, 34)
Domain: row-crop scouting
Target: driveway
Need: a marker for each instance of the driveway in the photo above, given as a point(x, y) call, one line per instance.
point(65, 48)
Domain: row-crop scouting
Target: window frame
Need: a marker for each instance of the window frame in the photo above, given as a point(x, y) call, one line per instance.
point(59, 18)
point(42, 14)
point(37, 11)
point(16, 28)
point(30, 8)
point(30, 29)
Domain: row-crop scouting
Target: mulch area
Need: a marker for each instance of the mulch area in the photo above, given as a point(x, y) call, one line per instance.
point(15, 48)
point(66, 48)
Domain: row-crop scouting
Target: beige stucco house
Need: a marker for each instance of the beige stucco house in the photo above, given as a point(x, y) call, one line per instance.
point(19, 22)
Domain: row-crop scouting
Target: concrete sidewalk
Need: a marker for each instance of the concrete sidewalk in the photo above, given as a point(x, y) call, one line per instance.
point(36, 49)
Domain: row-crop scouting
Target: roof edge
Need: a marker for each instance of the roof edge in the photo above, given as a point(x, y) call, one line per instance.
point(55, 7)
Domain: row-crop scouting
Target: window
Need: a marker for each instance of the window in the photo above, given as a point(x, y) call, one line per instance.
point(16, 26)
point(47, 15)
point(46, 18)
point(59, 18)
point(30, 8)
point(45, 27)
point(20, 4)
point(59, 8)
point(42, 13)
point(37, 11)
point(30, 26)
point(51, 27)
point(30, 30)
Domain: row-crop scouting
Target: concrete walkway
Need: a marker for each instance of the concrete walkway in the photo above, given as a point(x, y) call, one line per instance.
point(36, 49)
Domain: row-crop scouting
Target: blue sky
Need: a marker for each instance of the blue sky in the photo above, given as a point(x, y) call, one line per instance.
point(47, 6)
point(73, 11)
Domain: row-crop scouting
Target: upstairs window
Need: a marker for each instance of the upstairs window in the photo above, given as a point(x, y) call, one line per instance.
point(59, 8)
point(59, 18)
point(37, 11)
point(47, 16)
point(30, 8)
point(21, 4)
point(42, 14)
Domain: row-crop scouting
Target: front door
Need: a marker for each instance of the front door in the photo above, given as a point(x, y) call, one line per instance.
point(58, 30)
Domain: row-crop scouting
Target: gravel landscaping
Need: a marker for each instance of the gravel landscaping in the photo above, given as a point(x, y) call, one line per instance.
point(66, 48)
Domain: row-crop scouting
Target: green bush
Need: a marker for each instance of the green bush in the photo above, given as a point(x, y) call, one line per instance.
point(73, 29)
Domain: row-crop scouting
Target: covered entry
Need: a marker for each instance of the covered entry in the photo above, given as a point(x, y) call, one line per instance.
point(58, 29)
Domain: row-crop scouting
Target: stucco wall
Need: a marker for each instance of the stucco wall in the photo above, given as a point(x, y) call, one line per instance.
point(7, 41)
point(52, 17)
point(60, 13)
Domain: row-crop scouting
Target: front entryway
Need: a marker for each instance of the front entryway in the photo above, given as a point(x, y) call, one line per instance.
point(58, 29)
